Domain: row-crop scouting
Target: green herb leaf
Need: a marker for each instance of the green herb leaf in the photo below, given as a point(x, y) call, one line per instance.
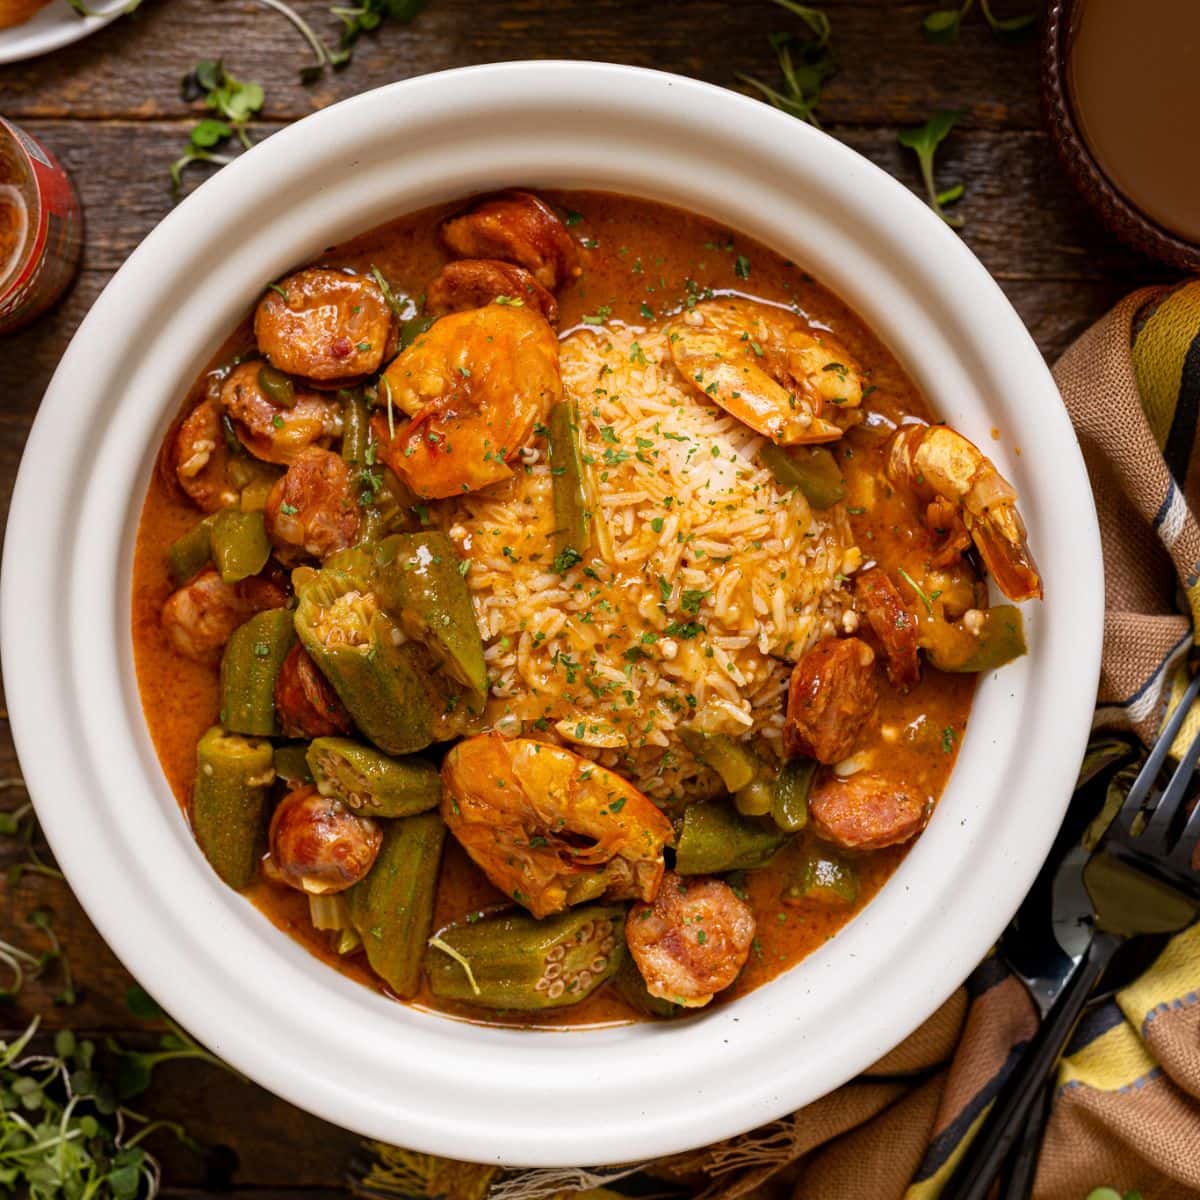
point(924, 142)
point(804, 64)
point(942, 26)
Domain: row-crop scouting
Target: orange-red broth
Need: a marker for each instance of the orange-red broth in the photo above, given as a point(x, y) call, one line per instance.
point(634, 253)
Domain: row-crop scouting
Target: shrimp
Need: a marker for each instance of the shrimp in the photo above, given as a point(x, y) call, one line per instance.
point(692, 941)
point(200, 459)
point(867, 811)
point(517, 227)
point(765, 367)
point(311, 509)
point(199, 617)
point(550, 828)
point(831, 696)
point(474, 282)
point(273, 432)
point(325, 325)
point(474, 384)
point(318, 845)
point(943, 468)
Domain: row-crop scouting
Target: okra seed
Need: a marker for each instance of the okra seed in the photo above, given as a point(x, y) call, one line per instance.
point(586, 932)
point(556, 954)
point(606, 946)
point(599, 963)
point(556, 989)
point(551, 970)
point(603, 928)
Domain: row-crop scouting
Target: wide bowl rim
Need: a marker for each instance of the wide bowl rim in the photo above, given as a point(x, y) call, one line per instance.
point(339, 1050)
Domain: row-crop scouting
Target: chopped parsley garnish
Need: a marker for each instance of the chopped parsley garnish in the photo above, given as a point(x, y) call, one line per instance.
point(565, 559)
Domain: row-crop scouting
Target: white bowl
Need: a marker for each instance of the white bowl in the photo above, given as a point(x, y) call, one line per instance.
point(57, 25)
point(257, 998)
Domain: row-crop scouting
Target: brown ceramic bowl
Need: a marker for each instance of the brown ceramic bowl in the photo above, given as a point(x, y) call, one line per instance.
point(1118, 213)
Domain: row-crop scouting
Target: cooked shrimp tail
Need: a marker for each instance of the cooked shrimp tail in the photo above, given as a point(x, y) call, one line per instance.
point(934, 461)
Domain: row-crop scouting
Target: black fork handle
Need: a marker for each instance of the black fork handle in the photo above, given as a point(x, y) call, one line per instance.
point(1021, 1167)
point(977, 1169)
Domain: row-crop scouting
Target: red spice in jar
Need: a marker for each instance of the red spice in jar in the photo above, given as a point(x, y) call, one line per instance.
point(40, 228)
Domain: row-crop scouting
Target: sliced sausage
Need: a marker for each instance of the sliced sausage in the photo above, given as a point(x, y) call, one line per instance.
point(199, 617)
point(692, 941)
point(305, 702)
point(272, 432)
point(831, 696)
point(318, 845)
point(311, 509)
point(324, 325)
point(892, 623)
point(199, 459)
point(517, 227)
point(474, 282)
point(867, 811)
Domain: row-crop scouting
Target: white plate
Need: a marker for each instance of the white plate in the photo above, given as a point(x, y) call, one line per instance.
point(57, 25)
point(259, 999)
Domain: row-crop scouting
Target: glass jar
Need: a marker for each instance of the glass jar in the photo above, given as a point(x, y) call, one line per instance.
point(41, 228)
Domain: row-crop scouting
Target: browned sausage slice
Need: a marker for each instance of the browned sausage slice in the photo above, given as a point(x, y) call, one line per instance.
point(831, 696)
point(318, 845)
point(305, 702)
point(866, 812)
point(199, 459)
point(879, 600)
point(311, 509)
point(324, 325)
point(474, 282)
point(692, 941)
point(519, 228)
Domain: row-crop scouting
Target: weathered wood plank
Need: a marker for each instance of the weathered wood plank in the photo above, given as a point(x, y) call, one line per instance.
point(888, 74)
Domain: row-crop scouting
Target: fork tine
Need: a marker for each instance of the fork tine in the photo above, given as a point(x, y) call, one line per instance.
point(1185, 848)
point(1158, 828)
point(1137, 794)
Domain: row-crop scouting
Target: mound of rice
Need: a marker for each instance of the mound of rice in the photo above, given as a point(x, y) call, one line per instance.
point(704, 580)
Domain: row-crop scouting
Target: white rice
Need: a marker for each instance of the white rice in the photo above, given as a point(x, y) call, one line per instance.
point(704, 581)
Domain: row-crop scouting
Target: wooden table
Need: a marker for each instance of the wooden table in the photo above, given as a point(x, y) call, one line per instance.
point(110, 108)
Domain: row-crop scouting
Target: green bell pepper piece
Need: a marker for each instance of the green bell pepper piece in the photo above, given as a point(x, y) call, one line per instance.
point(812, 469)
point(240, 546)
point(714, 838)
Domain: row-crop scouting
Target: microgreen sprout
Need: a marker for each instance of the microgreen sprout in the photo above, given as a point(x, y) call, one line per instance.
point(924, 141)
point(368, 15)
point(63, 1131)
point(21, 824)
point(323, 56)
point(943, 24)
point(804, 63)
point(234, 102)
point(135, 1067)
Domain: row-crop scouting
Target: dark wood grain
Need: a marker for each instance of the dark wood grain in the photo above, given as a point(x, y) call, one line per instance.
point(110, 108)
point(888, 73)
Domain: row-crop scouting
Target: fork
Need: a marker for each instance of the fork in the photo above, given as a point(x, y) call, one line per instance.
point(1135, 878)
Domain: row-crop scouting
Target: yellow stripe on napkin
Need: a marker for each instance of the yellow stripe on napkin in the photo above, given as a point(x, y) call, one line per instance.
point(1159, 349)
point(1113, 1061)
point(1175, 974)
